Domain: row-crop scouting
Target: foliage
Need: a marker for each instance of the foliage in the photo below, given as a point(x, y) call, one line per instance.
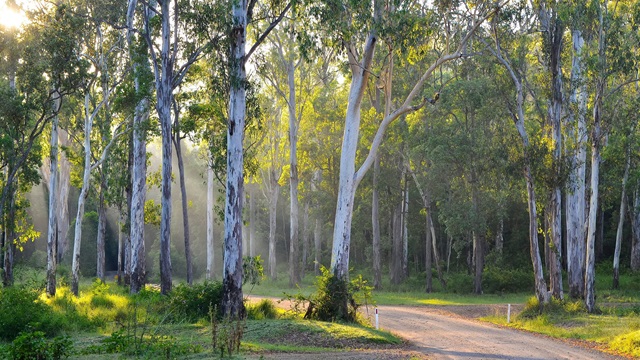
point(22, 311)
point(226, 335)
point(192, 303)
point(253, 270)
point(498, 281)
point(337, 299)
point(265, 309)
point(460, 283)
point(33, 345)
point(627, 343)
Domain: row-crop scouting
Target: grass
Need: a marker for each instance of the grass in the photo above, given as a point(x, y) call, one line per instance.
point(616, 328)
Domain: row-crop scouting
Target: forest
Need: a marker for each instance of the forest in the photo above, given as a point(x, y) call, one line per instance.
point(481, 147)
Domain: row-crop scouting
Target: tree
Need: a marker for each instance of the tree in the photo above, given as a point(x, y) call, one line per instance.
point(241, 14)
point(360, 71)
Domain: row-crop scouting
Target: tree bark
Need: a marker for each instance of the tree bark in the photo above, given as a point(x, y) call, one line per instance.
point(294, 266)
point(52, 229)
point(375, 221)
point(210, 246)
point(396, 255)
point(575, 207)
point(185, 207)
point(252, 220)
point(64, 180)
point(273, 209)
point(635, 230)
point(86, 179)
point(232, 302)
point(305, 239)
point(405, 233)
point(164, 101)
point(139, 170)
point(623, 210)
point(102, 233)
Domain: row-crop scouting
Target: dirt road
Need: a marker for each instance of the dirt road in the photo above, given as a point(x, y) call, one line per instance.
point(445, 336)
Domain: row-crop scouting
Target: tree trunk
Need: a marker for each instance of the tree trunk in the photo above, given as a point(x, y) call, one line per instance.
point(64, 180)
point(347, 182)
point(139, 170)
point(232, 302)
point(397, 253)
point(428, 264)
point(623, 210)
point(252, 220)
point(122, 235)
point(635, 230)
point(500, 238)
point(273, 209)
point(52, 229)
point(294, 271)
point(86, 179)
point(305, 240)
point(185, 208)
point(127, 236)
point(405, 235)
point(375, 221)
point(9, 240)
point(164, 101)
point(575, 207)
point(210, 246)
point(317, 245)
point(102, 233)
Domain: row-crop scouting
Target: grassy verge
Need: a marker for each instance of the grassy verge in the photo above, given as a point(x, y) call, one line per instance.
point(615, 328)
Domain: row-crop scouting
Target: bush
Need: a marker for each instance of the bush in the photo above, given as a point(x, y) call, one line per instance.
point(265, 309)
point(191, 303)
point(497, 281)
point(21, 310)
point(337, 299)
point(460, 283)
point(35, 346)
point(627, 343)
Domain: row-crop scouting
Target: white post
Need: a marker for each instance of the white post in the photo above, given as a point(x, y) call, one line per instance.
point(377, 323)
point(508, 313)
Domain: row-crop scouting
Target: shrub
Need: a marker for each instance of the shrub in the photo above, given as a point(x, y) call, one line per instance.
point(21, 310)
point(191, 303)
point(337, 299)
point(628, 343)
point(496, 280)
point(265, 309)
point(33, 345)
point(460, 283)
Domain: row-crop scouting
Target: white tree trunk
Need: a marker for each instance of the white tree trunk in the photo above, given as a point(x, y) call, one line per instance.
point(589, 277)
point(273, 208)
point(86, 178)
point(294, 259)
point(185, 207)
point(102, 234)
point(575, 207)
point(232, 302)
point(635, 230)
point(623, 210)
point(405, 220)
point(52, 229)
point(64, 181)
point(210, 246)
point(252, 220)
point(375, 221)
point(139, 171)
point(305, 240)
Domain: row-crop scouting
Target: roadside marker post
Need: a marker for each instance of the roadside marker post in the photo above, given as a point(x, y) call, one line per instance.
point(509, 313)
point(377, 323)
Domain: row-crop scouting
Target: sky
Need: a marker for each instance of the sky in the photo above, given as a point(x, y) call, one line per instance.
point(9, 17)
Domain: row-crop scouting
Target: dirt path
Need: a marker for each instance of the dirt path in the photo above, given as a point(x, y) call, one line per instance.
point(446, 336)
point(451, 332)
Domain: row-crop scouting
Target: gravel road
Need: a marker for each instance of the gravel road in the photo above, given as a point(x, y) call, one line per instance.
point(445, 336)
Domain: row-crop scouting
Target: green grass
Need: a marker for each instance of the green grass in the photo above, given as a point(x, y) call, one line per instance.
point(421, 298)
point(615, 328)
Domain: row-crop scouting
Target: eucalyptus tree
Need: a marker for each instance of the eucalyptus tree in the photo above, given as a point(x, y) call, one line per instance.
point(242, 14)
point(349, 29)
point(101, 81)
point(44, 68)
point(516, 107)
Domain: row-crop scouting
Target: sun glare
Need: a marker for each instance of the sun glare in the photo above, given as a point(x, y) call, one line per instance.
point(10, 18)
